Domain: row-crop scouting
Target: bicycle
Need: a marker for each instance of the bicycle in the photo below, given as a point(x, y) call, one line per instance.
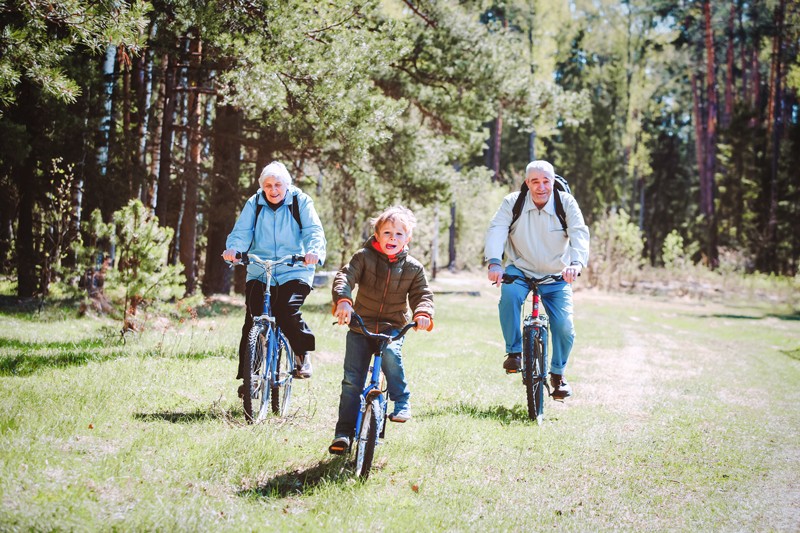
point(269, 381)
point(371, 418)
point(534, 347)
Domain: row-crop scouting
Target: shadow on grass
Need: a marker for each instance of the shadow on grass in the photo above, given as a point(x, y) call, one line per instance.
point(501, 413)
point(301, 481)
point(61, 354)
point(794, 315)
point(180, 417)
point(36, 309)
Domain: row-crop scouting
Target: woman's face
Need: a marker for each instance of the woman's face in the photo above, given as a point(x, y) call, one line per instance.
point(274, 189)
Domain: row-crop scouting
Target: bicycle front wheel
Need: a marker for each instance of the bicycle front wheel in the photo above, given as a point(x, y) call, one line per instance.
point(255, 385)
point(533, 375)
point(282, 382)
point(367, 438)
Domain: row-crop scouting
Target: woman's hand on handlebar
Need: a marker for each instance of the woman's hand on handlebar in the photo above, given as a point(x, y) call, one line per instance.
point(230, 255)
point(311, 259)
point(343, 312)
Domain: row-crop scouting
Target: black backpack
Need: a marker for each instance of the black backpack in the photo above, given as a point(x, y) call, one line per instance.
point(294, 208)
point(559, 184)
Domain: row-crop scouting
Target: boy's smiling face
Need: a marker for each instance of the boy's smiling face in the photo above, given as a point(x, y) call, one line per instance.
point(392, 237)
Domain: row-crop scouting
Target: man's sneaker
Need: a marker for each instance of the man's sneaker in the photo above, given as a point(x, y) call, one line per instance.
point(302, 367)
point(401, 414)
point(561, 388)
point(340, 445)
point(513, 362)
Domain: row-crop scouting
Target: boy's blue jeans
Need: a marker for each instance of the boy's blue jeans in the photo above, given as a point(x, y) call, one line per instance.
point(357, 358)
point(557, 300)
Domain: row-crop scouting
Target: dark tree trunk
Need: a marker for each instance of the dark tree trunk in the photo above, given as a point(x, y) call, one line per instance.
point(26, 187)
point(191, 172)
point(165, 156)
point(710, 143)
point(224, 197)
point(451, 261)
point(729, 82)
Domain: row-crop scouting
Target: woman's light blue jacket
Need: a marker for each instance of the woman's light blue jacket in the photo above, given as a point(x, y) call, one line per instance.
point(277, 234)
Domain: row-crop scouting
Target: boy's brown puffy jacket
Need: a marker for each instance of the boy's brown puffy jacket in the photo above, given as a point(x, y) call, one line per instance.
point(385, 289)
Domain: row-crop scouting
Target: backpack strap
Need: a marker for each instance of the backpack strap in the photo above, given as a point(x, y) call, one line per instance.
point(294, 208)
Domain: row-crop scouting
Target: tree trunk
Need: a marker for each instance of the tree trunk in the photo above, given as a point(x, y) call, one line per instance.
point(107, 122)
point(223, 198)
point(498, 140)
point(711, 140)
point(451, 263)
point(167, 134)
point(191, 171)
point(729, 83)
point(774, 132)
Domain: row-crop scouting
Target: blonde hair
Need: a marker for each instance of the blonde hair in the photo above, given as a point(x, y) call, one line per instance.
point(397, 214)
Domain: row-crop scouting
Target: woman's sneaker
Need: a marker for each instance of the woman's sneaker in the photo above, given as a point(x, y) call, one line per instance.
point(340, 445)
point(401, 414)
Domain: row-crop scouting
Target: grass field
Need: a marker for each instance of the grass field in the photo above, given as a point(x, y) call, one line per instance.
point(685, 417)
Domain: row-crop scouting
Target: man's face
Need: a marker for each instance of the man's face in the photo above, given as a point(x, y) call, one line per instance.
point(540, 186)
point(392, 237)
point(274, 189)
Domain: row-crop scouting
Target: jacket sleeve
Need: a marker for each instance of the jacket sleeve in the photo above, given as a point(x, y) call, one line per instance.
point(577, 230)
point(347, 278)
point(313, 234)
point(497, 234)
point(241, 236)
point(420, 296)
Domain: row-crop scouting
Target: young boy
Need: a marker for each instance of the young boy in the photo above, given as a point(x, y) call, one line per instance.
point(388, 281)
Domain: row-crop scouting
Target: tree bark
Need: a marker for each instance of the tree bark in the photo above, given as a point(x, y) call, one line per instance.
point(223, 198)
point(167, 134)
point(710, 140)
point(191, 171)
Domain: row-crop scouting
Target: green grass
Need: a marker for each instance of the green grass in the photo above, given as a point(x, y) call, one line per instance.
point(685, 417)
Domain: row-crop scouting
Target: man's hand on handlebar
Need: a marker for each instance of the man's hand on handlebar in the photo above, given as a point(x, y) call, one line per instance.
point(495, 274)
point(571, 272)
point(343, 312)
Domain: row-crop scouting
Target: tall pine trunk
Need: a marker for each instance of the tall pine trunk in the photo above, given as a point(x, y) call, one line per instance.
point(224, 197)
point(191, 170)
point(707, 184)
point(167, 135)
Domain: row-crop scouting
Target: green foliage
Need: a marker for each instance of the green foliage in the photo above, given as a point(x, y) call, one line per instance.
point(676, 255)
point(142, 269)
point(616, 250)
point(37, 36)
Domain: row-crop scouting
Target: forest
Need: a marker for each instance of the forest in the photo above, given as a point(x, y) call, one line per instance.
point(136, 129)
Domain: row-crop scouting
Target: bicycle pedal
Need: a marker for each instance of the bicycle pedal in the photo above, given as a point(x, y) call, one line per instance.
point(512, 371)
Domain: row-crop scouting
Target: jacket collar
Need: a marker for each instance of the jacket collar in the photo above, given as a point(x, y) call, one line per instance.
point(372, 244)
point(549, 207)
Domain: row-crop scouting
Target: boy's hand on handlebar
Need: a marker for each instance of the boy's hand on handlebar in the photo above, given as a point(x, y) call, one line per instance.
point(571, 273)
point(495, 274)
point(311, 259)
point(230, 255)
point(343, 312)
point(423, 322)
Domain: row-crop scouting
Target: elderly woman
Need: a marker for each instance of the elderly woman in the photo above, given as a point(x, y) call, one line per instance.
point(279, 220)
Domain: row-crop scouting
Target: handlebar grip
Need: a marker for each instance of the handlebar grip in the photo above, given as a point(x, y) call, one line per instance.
point(243, 257)
point(297, 258)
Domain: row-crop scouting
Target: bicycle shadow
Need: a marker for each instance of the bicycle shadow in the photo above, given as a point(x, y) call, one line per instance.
point(179, 417)
point(500, 413)
point(300, 481)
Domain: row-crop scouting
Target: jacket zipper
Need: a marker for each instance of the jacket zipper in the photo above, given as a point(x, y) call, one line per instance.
point(383, 300)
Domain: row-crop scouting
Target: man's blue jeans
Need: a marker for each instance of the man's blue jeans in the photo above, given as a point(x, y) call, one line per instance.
point(357, 358)
point(557, 300)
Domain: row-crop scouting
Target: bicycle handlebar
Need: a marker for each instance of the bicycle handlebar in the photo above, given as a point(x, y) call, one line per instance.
point(510, 278)
point(246, 259)
point(382, 336)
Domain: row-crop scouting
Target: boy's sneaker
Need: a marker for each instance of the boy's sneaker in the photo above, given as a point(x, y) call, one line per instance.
point(302, 366)
point(513, 362)
point(401, 414)
point(340, 445)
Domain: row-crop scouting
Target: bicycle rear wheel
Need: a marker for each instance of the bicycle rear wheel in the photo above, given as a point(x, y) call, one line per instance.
point(255, 386)
point(533, 376)
point(282, 382)
point(367, 438)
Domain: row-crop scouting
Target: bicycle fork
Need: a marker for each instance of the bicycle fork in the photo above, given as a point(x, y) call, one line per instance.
point(538, 325)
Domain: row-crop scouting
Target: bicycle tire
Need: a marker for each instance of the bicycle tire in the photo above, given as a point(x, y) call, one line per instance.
point(533, 372)
point(367, 439)
point(255, 387)
point(282, 382)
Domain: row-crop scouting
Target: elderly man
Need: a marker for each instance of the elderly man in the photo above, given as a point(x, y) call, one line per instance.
point(537, 244)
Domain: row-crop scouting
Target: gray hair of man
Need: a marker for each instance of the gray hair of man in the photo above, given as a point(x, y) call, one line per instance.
point(541, 166)
point(277, 170)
